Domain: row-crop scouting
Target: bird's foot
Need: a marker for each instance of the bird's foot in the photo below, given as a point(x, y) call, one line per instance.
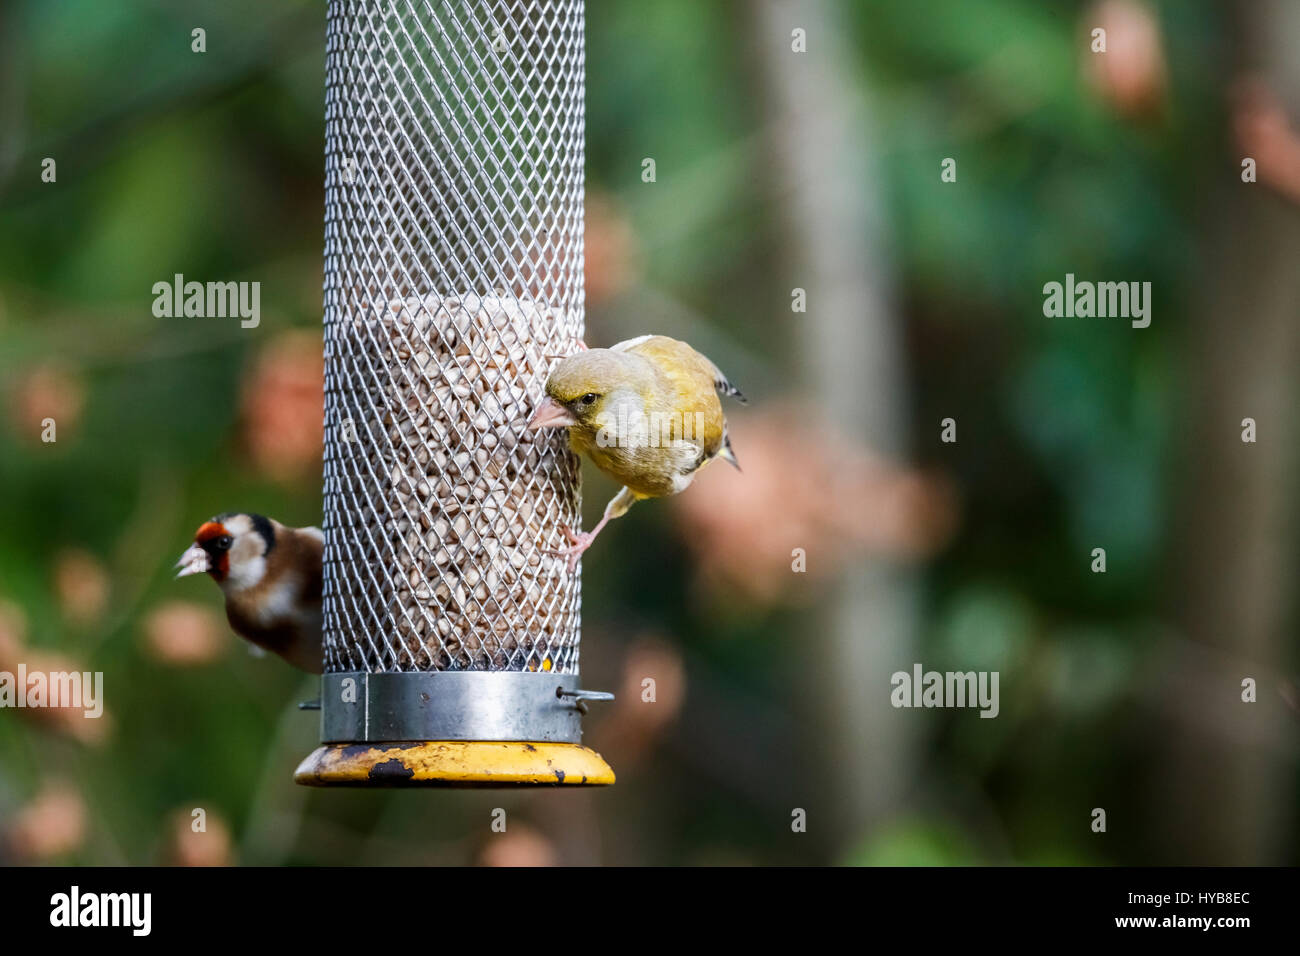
point(579, 345)
point(579, 541)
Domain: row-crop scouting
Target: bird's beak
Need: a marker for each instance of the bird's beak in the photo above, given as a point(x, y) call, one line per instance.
point(551, 414)
point(193, 561)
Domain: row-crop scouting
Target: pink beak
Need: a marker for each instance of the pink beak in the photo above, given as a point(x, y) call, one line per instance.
point(193, 561)
point(551, 414)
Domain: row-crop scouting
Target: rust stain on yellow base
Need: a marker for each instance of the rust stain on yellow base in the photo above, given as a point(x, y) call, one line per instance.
point(454, 763)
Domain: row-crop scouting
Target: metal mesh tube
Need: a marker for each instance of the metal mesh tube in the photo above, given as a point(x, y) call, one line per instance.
point(453, 283)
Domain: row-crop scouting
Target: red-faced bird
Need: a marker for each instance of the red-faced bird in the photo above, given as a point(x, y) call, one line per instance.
point(271, 577)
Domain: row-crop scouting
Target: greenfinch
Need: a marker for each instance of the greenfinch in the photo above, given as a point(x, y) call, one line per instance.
point(646, 412)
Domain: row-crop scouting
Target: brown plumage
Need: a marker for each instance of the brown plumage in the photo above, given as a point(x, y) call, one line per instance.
point(271, 577)
point(646, 412)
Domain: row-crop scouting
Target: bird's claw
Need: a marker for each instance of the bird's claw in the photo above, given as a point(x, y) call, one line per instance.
point(579, 542)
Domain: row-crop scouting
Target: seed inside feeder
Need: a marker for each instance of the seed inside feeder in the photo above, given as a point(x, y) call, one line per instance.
point(476, 501)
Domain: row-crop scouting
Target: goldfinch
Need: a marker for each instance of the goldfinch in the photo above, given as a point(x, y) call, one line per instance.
point(271, 577)
point(646, 412)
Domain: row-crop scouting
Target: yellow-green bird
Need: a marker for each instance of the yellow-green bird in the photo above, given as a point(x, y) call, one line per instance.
point(646, 412)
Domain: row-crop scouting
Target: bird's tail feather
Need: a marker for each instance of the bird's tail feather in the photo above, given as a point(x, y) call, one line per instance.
point(728, 454)
point(726, 388)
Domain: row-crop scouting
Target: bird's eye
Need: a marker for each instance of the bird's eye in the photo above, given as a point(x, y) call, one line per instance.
point(224, 542)
point(588, 398)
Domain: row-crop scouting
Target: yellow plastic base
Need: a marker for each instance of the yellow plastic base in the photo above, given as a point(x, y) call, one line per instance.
point(453, 763)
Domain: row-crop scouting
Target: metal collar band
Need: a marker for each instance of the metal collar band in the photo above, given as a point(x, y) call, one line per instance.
point(360, 707)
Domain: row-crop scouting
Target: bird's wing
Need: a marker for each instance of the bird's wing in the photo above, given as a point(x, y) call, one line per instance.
point(313, 587)
point(723, 384)
point(304, 551)
point(649, 345)
point(689, 379)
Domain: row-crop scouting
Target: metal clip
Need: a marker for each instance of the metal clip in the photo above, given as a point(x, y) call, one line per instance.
point(580, 697)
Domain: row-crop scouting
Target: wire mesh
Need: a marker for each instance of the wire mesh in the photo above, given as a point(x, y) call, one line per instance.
point(453, 283)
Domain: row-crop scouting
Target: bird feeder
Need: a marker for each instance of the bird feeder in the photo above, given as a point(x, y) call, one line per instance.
point(453, 284)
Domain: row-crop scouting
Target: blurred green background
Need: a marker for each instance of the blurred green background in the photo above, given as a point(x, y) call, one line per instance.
point(776, 170)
